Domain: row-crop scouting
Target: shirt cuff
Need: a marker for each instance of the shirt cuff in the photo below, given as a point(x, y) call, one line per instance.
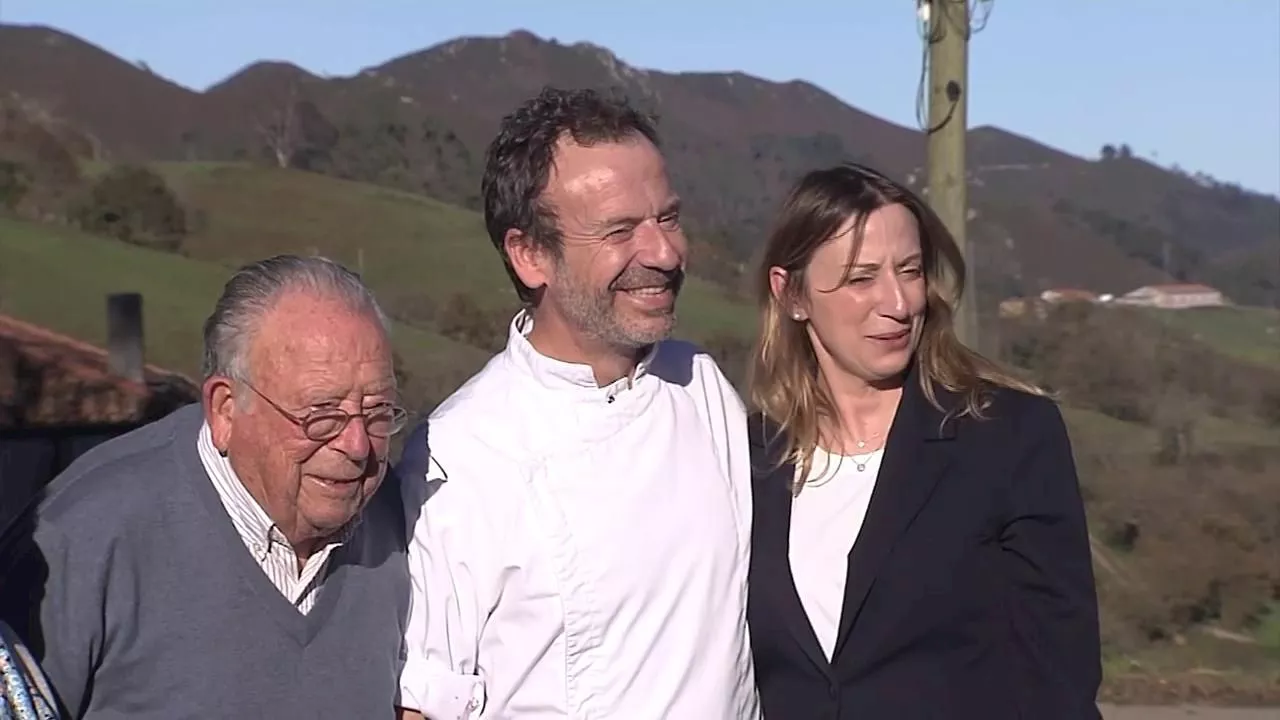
point(441, 695)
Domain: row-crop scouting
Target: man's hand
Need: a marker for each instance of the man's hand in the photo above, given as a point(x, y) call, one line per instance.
point(409, 715)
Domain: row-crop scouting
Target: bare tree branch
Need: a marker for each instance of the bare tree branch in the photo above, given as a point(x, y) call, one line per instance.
point(279, 130)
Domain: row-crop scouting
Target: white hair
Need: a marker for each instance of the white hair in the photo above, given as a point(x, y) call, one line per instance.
point(255, 288)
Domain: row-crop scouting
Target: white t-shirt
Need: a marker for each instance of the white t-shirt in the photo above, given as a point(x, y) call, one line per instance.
point(583, 551)
point(826, 518)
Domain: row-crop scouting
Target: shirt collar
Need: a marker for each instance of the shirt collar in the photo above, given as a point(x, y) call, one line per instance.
point(251, 521)
point(564, 376)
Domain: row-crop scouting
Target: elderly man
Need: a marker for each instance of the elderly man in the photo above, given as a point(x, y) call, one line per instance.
point(583, 551)
point(236, 558)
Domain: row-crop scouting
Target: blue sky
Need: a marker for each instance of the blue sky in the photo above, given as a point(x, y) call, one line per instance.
point(1200, 88)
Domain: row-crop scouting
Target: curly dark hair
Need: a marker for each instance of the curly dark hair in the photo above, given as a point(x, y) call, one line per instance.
point(518, 161)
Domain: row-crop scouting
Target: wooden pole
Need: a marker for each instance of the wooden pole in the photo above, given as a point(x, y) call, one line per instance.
point(948, 24)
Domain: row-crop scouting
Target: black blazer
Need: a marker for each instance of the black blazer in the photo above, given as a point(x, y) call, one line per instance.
point(970, 590)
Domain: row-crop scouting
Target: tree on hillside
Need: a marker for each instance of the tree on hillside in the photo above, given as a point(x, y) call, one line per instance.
point(14, 183)
point(76, 140)
point(38, 172)
point(190, 140)
point(1112, 152)
point(133, 204)
point(296, 134)
point(317, 138)
point(278, 131)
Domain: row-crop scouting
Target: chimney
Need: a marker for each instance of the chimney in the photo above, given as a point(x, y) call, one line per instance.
point(124, 336)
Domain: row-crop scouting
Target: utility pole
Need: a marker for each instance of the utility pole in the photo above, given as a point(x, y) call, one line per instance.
point(947, 22)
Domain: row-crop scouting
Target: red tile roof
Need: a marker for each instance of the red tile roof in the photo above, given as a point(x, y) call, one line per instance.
point(47, 378)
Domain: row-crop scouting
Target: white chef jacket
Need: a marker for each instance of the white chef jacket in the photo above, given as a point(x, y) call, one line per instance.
point(582, 551)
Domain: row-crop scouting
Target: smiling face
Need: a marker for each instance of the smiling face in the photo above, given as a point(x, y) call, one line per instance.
point(863, 318)
point(613, 283)
point(308, 354)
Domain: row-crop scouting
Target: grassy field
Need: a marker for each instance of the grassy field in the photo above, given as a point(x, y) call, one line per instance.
point(417, 253)
point(413, 250)
point(1251, 334)
point(59, 278)
point(1098, 432)
point(1204, 668)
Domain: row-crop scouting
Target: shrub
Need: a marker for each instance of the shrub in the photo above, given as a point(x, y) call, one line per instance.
point(133, 204)
point(1133, 367)
point(15, 183)
point(38, 173)
point(1178, 551)
point(464, 320)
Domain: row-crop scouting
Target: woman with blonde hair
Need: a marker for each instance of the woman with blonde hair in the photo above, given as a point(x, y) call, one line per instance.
point(919, 543)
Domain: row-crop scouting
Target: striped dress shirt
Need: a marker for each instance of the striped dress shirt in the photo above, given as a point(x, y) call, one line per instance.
point(273, 553)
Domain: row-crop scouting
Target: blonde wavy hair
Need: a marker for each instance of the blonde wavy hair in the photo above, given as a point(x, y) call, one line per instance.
point(784, 380)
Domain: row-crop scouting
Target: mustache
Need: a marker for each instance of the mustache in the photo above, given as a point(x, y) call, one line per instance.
point(645, 277)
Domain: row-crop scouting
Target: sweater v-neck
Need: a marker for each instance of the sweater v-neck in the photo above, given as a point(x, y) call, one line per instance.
point(302, 628)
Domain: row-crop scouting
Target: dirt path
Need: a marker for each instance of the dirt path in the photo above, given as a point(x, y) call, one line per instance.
point(1132, 712)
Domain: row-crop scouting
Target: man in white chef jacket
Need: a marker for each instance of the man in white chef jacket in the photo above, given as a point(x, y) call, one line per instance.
point(581, 533)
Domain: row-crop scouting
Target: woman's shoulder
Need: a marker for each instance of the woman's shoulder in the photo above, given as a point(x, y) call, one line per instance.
point(1011, 412)
point(767, 442)
point(1018, 405)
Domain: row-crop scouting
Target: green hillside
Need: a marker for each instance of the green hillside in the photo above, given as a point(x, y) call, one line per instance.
point(415, 251)
point(1097, 433)
point(1247, 333)
point(418, 252)
point(58, 278)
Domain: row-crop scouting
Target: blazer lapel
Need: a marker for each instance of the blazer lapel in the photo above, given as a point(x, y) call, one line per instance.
point(916, 455)
point(771, 555)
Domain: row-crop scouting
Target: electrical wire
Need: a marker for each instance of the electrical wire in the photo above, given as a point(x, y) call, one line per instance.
point(930, 31)
point(981, 9)
point(921, 121)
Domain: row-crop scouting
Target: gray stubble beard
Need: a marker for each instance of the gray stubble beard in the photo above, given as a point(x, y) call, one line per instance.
point(593, 313)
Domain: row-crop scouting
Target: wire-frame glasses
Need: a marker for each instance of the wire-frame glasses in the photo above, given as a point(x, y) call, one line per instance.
point(323, 425)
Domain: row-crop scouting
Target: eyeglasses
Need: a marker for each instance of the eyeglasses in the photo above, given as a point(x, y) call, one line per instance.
point(324, 425)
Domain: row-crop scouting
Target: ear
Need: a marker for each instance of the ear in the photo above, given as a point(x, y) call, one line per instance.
point(218, 396)
point(783, 294)
point(530, 261)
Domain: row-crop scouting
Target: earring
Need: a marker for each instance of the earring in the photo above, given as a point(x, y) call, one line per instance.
point(796, 316)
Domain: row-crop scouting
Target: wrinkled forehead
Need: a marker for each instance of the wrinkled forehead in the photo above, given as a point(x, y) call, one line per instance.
point(618, 176)
point(301, 345)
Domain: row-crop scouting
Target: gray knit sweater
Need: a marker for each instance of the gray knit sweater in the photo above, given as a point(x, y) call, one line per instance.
point(148, 605)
